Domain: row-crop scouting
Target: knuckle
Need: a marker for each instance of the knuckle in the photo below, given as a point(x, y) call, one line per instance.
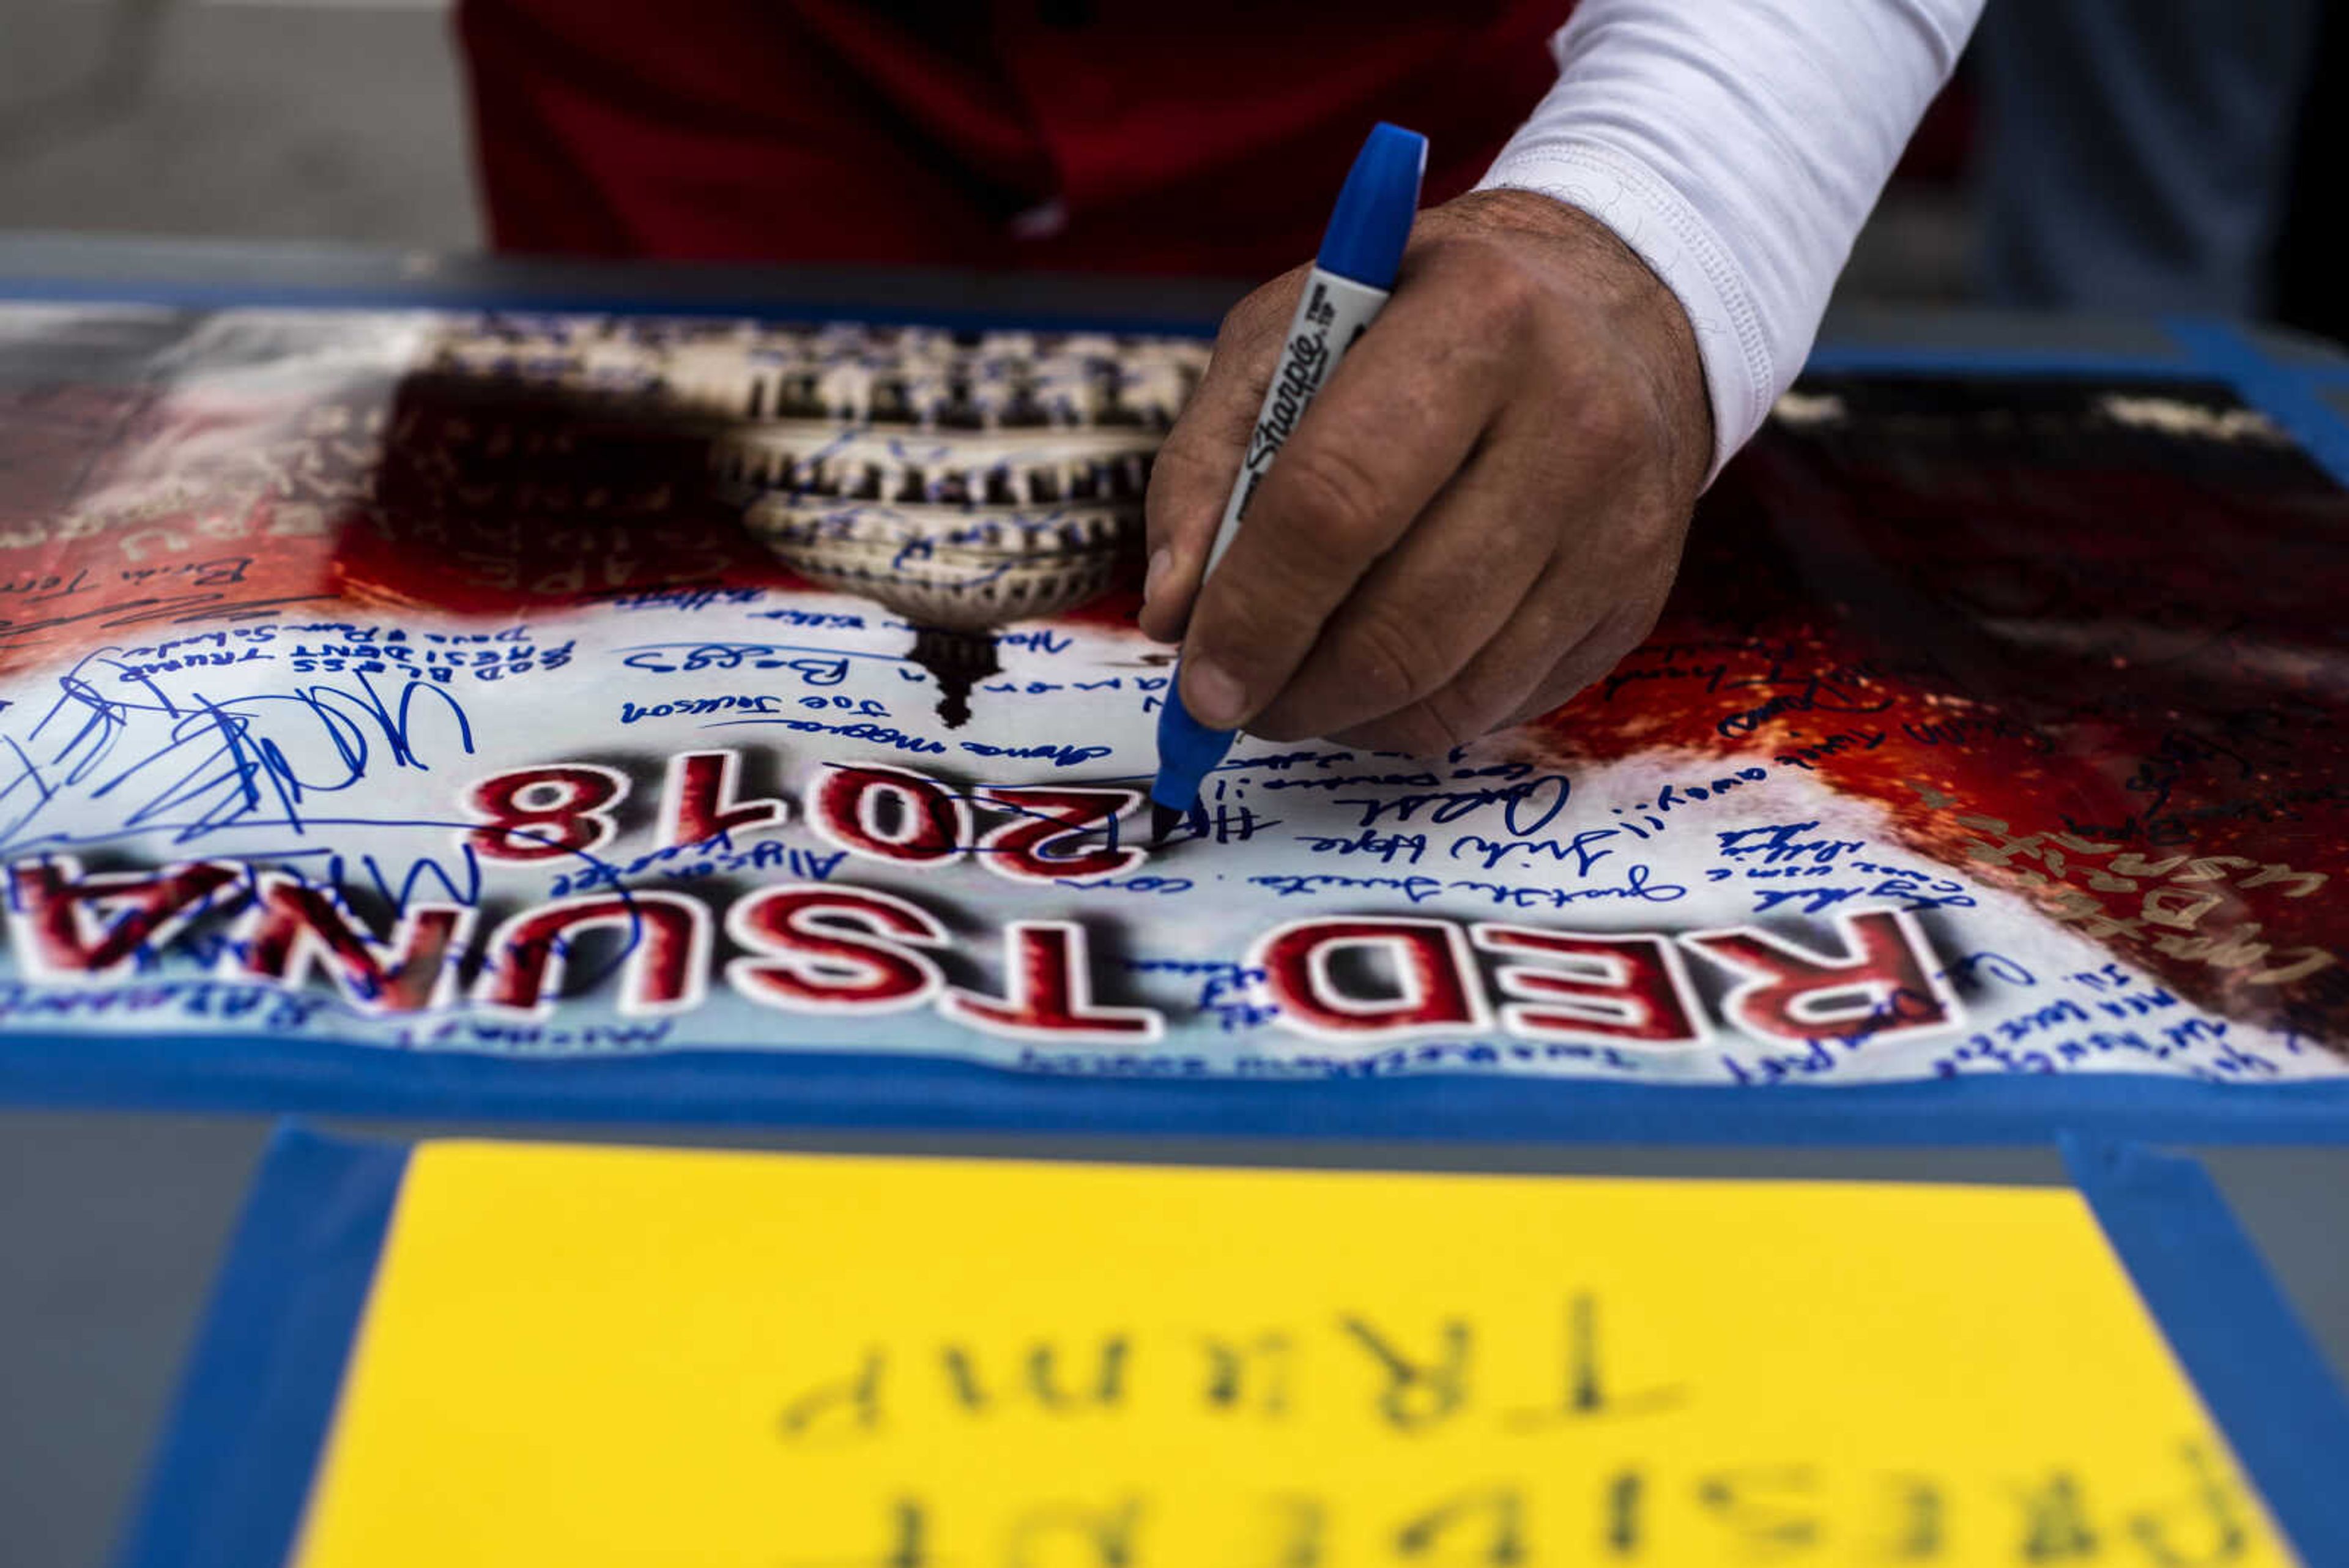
point(1496, 281)
point(1609, 424)
point(1331, 496)
point(1238, 621)
point(1508, 289)
point(1412, 730)
point(1389, 663)
point(1437, 254)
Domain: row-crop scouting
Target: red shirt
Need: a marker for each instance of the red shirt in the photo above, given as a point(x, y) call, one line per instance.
point(1196, 136)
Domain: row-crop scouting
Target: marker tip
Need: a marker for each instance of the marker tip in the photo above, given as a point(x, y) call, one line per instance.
point(1163, 820)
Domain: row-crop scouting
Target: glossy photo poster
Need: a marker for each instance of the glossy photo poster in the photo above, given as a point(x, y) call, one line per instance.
point(450, 710)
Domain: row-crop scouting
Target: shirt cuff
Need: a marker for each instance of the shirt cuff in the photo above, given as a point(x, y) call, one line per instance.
point(1680, 249)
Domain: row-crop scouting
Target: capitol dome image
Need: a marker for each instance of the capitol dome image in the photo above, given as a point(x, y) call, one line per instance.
point(965, 480)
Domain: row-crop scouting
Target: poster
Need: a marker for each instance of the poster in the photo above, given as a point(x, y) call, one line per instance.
point(439, 685)
point(529, 1352)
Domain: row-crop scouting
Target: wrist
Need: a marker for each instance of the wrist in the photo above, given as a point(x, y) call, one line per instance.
point(1609, 280)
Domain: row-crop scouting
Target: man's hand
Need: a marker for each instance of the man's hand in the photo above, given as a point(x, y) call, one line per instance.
point(1478, 515)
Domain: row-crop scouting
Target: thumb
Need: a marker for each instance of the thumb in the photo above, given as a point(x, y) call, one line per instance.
point(1191, 478)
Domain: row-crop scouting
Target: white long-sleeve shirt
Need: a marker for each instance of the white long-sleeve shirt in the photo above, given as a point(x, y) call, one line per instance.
point(1736, 146)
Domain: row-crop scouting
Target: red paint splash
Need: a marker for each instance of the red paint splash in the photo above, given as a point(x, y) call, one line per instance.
point(2102, 666)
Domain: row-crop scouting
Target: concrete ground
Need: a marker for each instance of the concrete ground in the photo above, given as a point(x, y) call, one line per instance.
point(330, 119)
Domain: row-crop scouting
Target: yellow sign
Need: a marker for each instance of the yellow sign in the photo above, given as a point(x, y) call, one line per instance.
point(581, 1356)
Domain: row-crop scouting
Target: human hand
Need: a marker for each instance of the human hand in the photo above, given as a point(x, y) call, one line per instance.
point(1478, 515)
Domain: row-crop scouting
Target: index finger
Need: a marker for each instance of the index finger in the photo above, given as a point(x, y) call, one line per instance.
point(1192, 473)
point(1394, 423)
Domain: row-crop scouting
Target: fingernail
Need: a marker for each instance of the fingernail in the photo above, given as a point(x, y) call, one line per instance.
point(1162, 562)
point(1215, 698)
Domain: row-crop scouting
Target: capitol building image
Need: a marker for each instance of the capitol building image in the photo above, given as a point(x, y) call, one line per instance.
point(963, 480)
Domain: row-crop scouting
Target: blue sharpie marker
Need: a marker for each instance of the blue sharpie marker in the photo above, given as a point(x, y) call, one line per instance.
point(1350, 281)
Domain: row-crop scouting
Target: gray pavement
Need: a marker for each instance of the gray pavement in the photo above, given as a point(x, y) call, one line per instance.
point(316, 121)
point(111, 1227)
